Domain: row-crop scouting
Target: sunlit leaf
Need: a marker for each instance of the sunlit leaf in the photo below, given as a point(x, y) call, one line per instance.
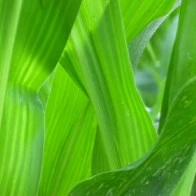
point(32, 37)
point(187, 181)
point(182, 66)
point(137, 46)
point(162, 170)
point(96, 54)
point(137, 15)
point(70, 127)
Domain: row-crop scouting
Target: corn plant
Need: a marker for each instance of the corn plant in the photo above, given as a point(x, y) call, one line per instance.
point(72, 121)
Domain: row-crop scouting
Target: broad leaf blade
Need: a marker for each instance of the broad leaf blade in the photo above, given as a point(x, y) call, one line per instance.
point(152, 69)
point(162, 170)
point(137, 46)
point(69, 137)
point(99, 160)
point(187, 182)
point(97, 54)
point(138, 14)
point(32, 38)
point(182, 67)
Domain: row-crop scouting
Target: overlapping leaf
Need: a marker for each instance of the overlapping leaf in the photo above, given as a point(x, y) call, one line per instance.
point(182, 69)
point(32, 37)
point(166, 167)
point(137, 15)
point(69, 137)
point(137, 46)
point(152, 69)
point(182, 66)
point(96, 56)
point(162, 170)
point(187, 181)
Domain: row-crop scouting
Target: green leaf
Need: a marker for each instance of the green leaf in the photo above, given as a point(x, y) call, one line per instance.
point(152, 69)
point(186, 183)
point(193, 192)
point(32, 38)
point(161, 171)
point(69, 136)
point(138, 14)
point(99, 160)
point(137, 46)
point(167, 166)
point(96, 54)
point(182, 67)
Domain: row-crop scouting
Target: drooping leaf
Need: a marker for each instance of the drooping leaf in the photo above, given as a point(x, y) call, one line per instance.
point(32, 38)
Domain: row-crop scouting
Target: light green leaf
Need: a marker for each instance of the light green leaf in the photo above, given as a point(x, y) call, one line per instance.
point(193, 192)
point(152, 69)
point(138, 14)
point(69, 137)
point(32, 38)
point(137, 46)
point(99, 160)
point(186, 183)
point(162, 170)
point(182, 66)
point(182, 69)
point(96, 54)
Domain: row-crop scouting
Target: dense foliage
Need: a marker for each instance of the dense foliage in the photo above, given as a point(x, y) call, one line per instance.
point(97, 97)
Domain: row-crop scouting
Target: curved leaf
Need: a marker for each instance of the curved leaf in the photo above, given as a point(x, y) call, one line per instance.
point(137, 46)
point(182, 67)
point(162, 170)
point(187, 182)
point(97, 55)
point(137, 15)
point(32, 38)
point(70, 127)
